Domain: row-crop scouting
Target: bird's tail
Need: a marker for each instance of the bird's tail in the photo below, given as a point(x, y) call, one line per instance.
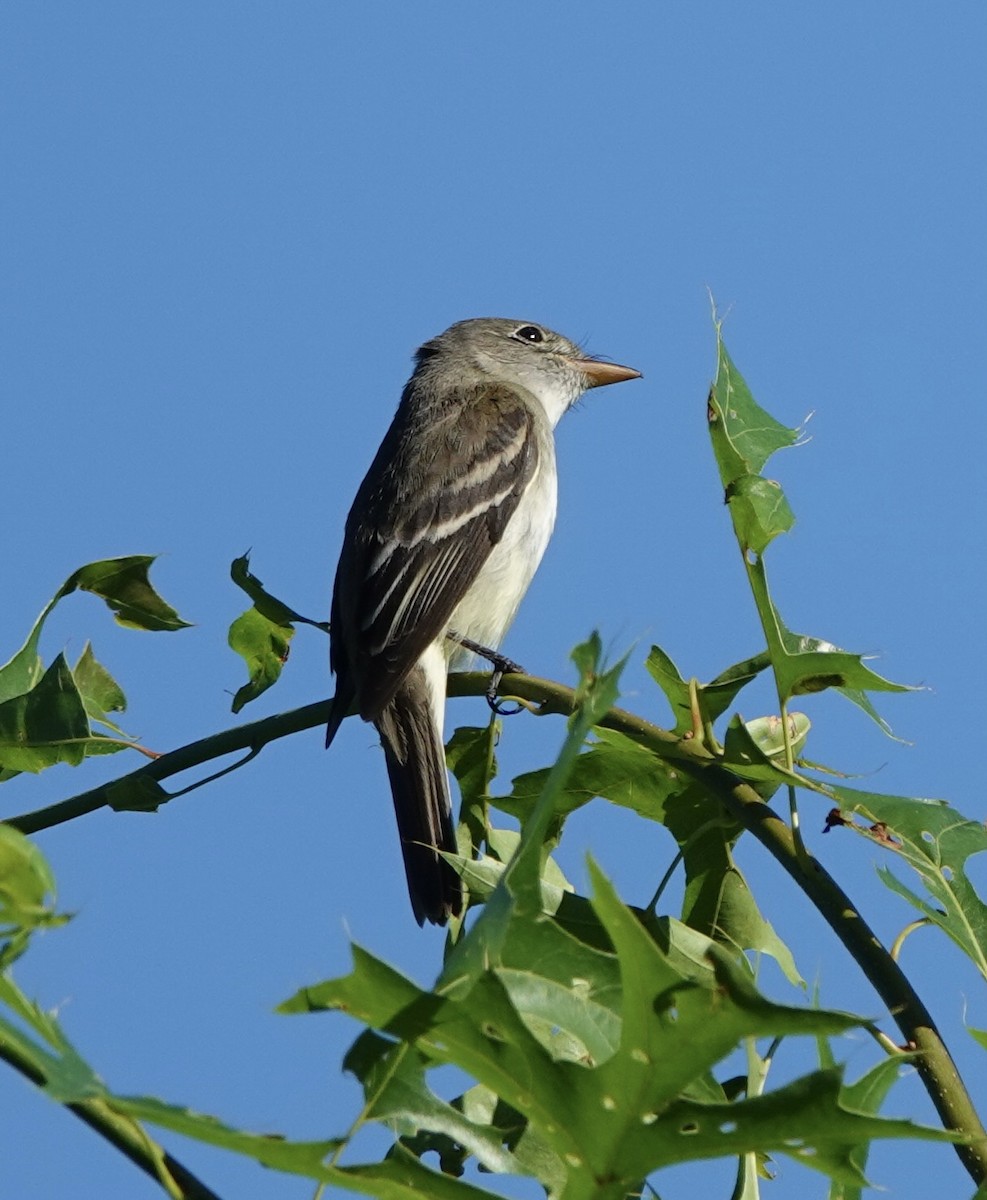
point(412, 741)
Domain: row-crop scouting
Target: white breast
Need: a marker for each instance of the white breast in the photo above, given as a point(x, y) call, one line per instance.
point(489, 607)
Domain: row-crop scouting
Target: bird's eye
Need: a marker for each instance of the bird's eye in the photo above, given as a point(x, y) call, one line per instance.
point(529, 333)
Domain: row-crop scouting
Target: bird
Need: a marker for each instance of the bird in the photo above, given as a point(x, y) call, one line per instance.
point(440, 545)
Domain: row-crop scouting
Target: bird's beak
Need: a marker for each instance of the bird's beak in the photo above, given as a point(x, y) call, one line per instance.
point(600, 373)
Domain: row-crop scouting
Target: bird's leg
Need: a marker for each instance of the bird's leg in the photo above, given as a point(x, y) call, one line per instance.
point(502, 665)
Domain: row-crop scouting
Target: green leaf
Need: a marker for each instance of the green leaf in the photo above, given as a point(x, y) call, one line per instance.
point(402, 1177)
point(484, 872)
point(46, 725)
point(136, 793)
point(100, 691)
point(614, 767)
point(482, 1106)
point(744, 436)
point(481, 1032)
point(806, 1120)
point(669, 1018)
point(27, 889)
point(865, 1096)
point(683, 1027)
point(714, 697)
point(263, 645)
point(270, 1149)
point(101, 695)
point(738, 921)
point(768, 734)
point(666, 674)
point(520, 886)
point(470, 757)
point(804, 665)
point(393, 1076)
point(755, 750)
point(759, 511)
point(25, 877)
point(261, 635)
point(721, 692)
point(62, 1073)
point(65, 1076)
point(123, 583)
point(28, 693)
point(24, 670)
point(595, 1062)
point(717, 900)
point(276, 611)
point(936, 841)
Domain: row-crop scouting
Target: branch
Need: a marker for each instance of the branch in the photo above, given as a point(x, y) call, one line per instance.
point(934, 1062)
point(122, 1133)
point(551, 697)
point(252, 737)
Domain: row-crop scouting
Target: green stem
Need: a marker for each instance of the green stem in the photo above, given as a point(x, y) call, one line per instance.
point(933, 1060)
point(252, 737)
point(121, 1132)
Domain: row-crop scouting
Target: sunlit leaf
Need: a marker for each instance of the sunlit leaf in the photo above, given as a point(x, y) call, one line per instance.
point(978, 1035)
point(271, 1149)
point(754, 750)
point(713, 698)
point(623, 1117)
point(54, 713)
point(614, 767)
point(99, 689)
point(666, 674)
point(759, 510)
point(865, 1096)
point(46, 725)
point(744, 436)
point(721, 692)
point(470, 757)
point(263, 645)
point(274, 609)
point(645, 1127)
point(519, 890)
point(804, 665)
point(101, 695)
point(27, 889)
point(936, 841)
point(24, 670)
point(393, 1077)
point(123, 583)
point(261, 635)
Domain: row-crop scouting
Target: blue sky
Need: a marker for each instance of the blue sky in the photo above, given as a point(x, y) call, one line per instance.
point(223, 231)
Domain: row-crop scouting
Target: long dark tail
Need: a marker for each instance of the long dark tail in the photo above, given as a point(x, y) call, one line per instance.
point(420, 787)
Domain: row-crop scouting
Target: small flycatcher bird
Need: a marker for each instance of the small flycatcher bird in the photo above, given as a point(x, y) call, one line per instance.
point(444, 536)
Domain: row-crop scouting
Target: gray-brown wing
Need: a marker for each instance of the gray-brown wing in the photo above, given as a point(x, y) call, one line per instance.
point(431, 517)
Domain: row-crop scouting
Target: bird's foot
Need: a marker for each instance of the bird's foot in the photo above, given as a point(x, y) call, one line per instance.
point(502, 665)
